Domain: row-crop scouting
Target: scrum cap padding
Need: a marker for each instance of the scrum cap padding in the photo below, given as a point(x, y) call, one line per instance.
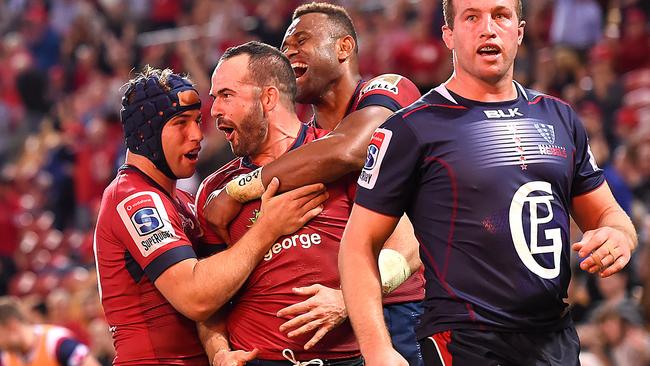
point(149, 108)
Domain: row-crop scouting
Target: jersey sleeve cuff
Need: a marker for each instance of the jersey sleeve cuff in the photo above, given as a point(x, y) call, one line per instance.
point(167, 259)
point(594, 183)
point(380, 100)
point(379, 208)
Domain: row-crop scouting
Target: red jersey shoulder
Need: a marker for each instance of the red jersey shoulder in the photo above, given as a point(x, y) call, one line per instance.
point(144, 212)
point(214, 181)
point(219, 179)
point(394, 86)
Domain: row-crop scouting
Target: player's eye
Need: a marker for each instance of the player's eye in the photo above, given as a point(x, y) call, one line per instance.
point(471, 18)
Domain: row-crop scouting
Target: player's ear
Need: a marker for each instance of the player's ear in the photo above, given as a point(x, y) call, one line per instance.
point(447, 36)
point(345, 47)
point(520, 32)
point(270, 98)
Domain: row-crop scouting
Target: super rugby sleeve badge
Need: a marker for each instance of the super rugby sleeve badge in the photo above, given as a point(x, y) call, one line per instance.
point(145, 217)
point(376, 152)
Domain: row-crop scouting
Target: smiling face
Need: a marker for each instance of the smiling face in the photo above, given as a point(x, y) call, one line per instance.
point(181, 141)
point(484, 38)
point(311, 48)
point(237, 106)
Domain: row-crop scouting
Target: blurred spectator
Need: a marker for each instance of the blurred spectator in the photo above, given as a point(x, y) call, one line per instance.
point(634, 47)
point(41, 344)
point(576, 23)
point(616, 335)
point(64, 62)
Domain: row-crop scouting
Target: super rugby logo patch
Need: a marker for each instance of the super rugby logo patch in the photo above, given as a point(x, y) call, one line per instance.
point(376, 151)
point(145, 218)
point(387, 82)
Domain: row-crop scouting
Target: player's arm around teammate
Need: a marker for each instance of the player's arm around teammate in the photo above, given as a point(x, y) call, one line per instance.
point(197, 288)
point(326, 309)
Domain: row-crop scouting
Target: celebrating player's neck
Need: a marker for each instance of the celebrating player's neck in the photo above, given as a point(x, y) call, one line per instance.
point(474, 88)
point(331, 107)
point(283, 131)
point(147, 167)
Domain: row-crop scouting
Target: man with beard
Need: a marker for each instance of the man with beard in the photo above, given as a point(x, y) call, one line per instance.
point(254, 88)
point(151, 285)
point(321, 44)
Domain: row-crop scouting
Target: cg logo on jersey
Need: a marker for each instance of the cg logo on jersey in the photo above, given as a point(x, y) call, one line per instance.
point(371, 158)
point(527, 254)
point(146, 220)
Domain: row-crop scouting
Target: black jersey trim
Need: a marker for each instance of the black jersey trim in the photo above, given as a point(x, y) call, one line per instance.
point(379, 100)
point(168, 259)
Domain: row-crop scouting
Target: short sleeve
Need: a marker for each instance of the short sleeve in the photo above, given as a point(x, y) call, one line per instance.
point(152, 232)
point(210, 242)
point(587, 175)
point(388, 176)
point(389, 90)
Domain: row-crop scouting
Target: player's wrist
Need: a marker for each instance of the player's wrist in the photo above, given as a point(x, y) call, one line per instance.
point(393, 270)
point(631, 237)
point(246, 187)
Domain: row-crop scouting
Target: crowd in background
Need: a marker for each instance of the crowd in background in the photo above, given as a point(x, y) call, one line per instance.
point(63, 62)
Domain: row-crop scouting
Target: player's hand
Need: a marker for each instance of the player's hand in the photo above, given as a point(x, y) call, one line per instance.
point(606, 250)
point(387, 357)
point(233, 358)
point(219, 211)
point(287, 212)
point(322, 312)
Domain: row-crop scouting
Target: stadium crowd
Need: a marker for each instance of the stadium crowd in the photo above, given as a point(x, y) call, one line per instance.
point(64, 62)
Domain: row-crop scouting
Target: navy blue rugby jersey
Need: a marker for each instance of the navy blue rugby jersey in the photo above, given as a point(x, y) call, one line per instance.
point(488, 187)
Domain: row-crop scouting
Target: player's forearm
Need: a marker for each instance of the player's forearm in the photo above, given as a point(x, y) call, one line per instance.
point(221, 275)
point(321, 161)
point(213, 334)
point(362, 294)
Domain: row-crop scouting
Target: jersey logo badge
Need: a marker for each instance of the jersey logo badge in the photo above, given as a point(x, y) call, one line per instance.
point(533, 199)
point(387, 82)
point(146, 220)
point(371, 159)
point(376, 151)
point(546, 131)
point(499, 113)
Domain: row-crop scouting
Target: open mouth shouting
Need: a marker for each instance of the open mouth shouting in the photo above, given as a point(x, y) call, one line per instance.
point(193, 155)
point(299, 69)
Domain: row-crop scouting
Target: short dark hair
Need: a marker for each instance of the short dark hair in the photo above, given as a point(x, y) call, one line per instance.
point(267, 66)
point(448, 11)
point(10, 309)
point(335, 13)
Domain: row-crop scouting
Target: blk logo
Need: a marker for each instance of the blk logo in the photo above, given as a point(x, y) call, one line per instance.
point(146, 220)
point(500, 113)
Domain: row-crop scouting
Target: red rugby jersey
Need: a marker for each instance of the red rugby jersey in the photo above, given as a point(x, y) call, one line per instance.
point(307, 257)
point(394, 92)
point(141, 231)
